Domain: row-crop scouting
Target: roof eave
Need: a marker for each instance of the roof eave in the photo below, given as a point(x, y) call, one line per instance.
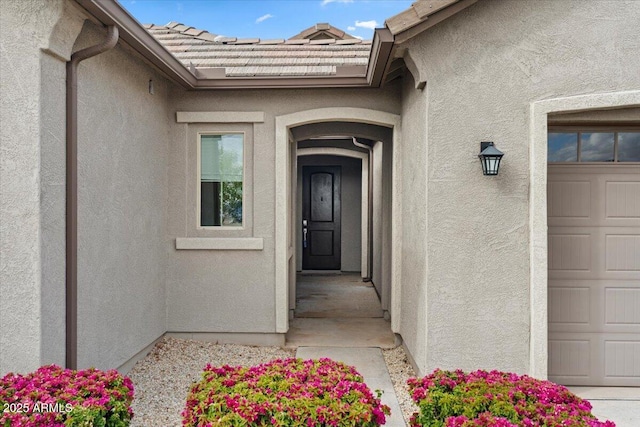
point(297, 82)
point(136, 36)
point(380, 56)
point(110, 12)
point(423, 15)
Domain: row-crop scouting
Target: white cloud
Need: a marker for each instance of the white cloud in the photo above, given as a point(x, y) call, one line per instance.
point(326, 2)
point(367, 24)
point(350, 28)
point(359, 37)
point(264, 18)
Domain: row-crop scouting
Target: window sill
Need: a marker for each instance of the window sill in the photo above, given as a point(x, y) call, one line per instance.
point(220, 243)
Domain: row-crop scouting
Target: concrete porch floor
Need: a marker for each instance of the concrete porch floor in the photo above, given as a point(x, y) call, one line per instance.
point(338, 310)
point(339, 316)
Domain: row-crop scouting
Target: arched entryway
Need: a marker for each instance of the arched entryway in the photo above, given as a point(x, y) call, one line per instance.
point(302, 134)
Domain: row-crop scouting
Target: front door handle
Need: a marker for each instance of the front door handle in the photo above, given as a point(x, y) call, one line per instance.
point(304, 233)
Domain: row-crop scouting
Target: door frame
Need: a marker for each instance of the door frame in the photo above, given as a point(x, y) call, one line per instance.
point(538, 256)
point(285, 205)
point(364, 220)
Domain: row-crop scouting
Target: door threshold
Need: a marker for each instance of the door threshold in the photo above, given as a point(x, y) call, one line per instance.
point(320, 272)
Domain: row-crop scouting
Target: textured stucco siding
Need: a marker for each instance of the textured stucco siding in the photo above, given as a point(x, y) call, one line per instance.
point(35, 39)
point(122, 162)
point(484, 67)
point(414, 221)
point(378, 203)
point(234, 291)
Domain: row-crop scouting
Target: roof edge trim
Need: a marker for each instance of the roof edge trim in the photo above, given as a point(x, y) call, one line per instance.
point(380, 55)
point(135, 35)
point(422, 15)
point(110, 12)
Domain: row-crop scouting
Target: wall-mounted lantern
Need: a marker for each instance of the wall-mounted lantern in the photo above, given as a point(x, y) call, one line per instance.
point(490, 158)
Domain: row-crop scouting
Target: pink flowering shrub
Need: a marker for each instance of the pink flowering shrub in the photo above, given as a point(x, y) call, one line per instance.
point(497, 399)
point(289, 392)
point(56, 397)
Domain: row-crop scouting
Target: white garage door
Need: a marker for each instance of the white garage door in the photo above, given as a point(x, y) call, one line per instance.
point(594, 274)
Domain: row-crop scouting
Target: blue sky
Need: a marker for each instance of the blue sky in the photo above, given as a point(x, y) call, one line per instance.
point(267, 19)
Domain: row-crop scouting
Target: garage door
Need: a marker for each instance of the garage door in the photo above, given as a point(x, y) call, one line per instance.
point(594, 274)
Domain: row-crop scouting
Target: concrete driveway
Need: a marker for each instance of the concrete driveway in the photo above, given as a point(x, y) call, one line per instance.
point(618, 404)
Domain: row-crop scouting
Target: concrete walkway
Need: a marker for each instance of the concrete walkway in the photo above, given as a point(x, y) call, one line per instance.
point(339, 317)
point(618, 404)
point(340, 332)
point(370, 364)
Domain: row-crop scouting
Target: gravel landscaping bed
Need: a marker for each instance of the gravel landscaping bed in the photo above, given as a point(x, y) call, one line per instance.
point(400, 371)
point(163, 378)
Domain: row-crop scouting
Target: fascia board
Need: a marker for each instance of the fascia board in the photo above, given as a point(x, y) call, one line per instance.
point(431, 20)
point(111, 13)
point(282, 83)
point(380, 56)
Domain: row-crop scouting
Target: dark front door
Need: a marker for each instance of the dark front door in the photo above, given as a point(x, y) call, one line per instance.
point(321, 217)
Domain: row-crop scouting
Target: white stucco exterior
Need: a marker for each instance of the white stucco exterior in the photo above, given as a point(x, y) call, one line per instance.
point(35, 42)
point(486, 236)
point(459, 259)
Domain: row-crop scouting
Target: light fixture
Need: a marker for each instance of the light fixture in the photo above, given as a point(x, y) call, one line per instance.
point(490, 158)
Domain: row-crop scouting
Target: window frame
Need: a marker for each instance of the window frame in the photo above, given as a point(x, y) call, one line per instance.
point(586, 128)
point(199, 225)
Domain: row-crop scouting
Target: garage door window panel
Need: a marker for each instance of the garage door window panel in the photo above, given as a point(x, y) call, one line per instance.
point(597, 147)
point(594, 146)
point(629, 147)
point(563, 147)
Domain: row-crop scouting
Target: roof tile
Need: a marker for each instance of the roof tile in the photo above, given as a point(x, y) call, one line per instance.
point(323, 41)
point(193, 32)
point(271, 41)
point(207, 36)
point(255, 57)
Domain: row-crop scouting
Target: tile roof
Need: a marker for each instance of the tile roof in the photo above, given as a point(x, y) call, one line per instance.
point(317, 55)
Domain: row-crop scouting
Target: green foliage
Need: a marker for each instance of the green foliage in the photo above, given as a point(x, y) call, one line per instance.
point(290, 392)
point(496, 399)
point(57, 397)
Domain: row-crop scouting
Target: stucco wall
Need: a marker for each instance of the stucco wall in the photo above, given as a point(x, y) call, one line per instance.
point(484, 67)
point(414, 220)
point(122, 162)
point(351, 208)
point(378, 204)
point(234, 291)
point(35, 40)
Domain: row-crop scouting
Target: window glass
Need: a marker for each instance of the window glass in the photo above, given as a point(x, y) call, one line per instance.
point(563, 147)
point(221, 167)
point(629, 147)
point(597, 147)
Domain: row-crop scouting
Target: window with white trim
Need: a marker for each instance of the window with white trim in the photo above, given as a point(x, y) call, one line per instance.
point(593, 146)
point(221, 179)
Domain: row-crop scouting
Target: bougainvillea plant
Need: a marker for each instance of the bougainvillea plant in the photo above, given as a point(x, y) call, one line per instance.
point(496, 399)
point(284, 392)
point(57, 397)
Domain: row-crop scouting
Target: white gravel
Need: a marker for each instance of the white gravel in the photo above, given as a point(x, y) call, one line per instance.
point(163, 378)
point(400, 370)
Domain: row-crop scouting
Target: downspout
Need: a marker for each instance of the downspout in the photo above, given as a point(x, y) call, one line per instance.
point(71, 285)
point(369, 276)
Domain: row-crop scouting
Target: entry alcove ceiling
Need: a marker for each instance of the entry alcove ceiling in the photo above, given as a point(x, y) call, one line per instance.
point(359, 130)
